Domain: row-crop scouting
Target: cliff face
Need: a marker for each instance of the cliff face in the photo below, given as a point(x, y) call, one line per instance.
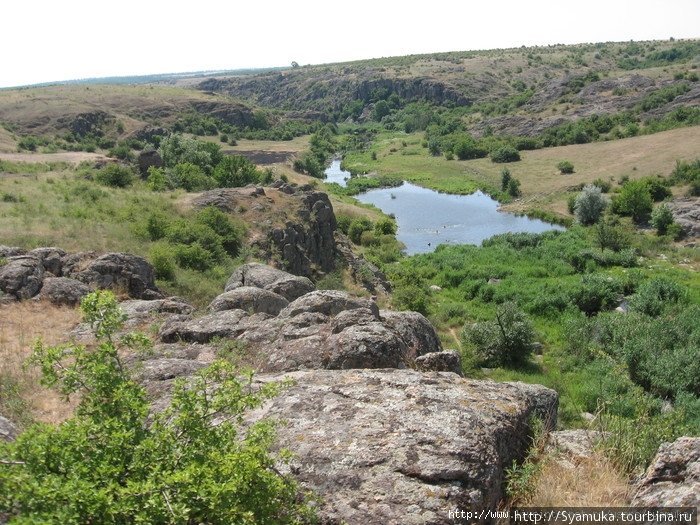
point(292, 226)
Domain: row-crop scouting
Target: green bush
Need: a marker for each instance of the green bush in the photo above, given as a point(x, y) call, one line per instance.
point(634, 200)
point(235, 171)
point(658, 188)
point(506, 340)
point(610, 234)
point(357, 226)
point(230, 233)
point(661, 218)
point(190, 177)
point(505, 154)
point(115, 175)
point(193, 256)
point(468, 148)
point(565, 167)
point(655, 295)
point(604, 185)
point(597, 292)
point(162, 258)
point(157, 180)
point(116, 461)
point(505, 179)
point(589, 205)
point(385, 226)
point(514, 188)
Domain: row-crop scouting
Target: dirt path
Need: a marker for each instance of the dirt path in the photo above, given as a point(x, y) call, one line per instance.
point(71, 157)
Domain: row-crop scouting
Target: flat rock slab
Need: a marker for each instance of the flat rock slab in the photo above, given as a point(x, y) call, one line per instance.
point(400, 446)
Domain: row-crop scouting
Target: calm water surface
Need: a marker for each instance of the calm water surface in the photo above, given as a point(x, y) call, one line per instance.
point(427, 218)
point(335, 174)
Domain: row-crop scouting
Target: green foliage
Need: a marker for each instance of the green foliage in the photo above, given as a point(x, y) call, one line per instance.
point(162, 258)
point(589, 205)
point(179, 149)
point(658, 188)
point(357, 227)
point(156, 180)
point(521, 478)
point(656, 295)
point(514, 187)
point(385, 226)
point(661, 218)
point(468, 148)
point(506, 340)
point(597, 292)
point(381, 110)
point(565, 167)
point(230, 233)
point(190, 177)
point(235, 171)
point(505, 154)
point(634, 200)
point(114, 463)
point(604, 185)
point(412, 297)
point(505, 179)
point(610, 234)
point(115, 175)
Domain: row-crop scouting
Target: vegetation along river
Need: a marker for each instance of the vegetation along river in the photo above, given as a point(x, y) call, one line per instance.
point(427, 218)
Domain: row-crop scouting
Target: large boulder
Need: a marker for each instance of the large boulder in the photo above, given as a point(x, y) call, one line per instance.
point(202, 329)
point(328, 303)
point(21, 276)
point(445, 361)
point(673, 478)
point(268, 278)
point(250, 299)
point(51, 259)
point(401, 446)
point(148, 159)
point(63, 290)
point(120, 271)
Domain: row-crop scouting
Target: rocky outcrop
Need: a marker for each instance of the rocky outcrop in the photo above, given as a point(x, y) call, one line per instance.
point(686, 212)
point(400, 446)
point(250, 299)
point(147, 159)
point(271, 279)
point(68, 277)
point(131, 273)
point(673, 478)
point(285, 325)
point(8, 431)
point(63, 290)
point(21, 276)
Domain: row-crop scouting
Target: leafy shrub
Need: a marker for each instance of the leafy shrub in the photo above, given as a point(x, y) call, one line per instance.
point(163, 260)
point(506, 340)
point(589, 205)
point(505, 154)
point(385, 226)
point(116, 461)
point(655, 295)
point(115, 175)
point(661, 218)
point(190, 177)
point(610, 234)
point(468, 148)
point(157, 180)
point(596, 292)
point(514, 188)
point(229, 233)
point(178, 149)
point(343, 221)
point(658, 188)
point(571, 203)
point(193, 256)
point(625, 258)
point(235, 171)
point(604, 185)
point(634, 200)
point(368, 238)
point(357, 226)
point(505, 179)
point(411, 297)
point(565, 167)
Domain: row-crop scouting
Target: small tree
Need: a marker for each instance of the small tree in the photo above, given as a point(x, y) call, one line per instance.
point(662, 218)
point(589, 205)
point(514, 188)
point(609, 234)
point(115, 175)
point(634, 200)
point(565, 167)
point(116, 462)
point(505, 179)
point(505, 340)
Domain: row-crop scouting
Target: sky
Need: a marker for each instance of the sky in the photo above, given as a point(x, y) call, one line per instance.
point(51, 40)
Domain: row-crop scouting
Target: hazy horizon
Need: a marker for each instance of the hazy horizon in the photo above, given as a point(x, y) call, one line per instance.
point(77, 39)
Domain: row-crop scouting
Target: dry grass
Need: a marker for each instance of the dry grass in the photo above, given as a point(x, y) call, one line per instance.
point(7, 141)
point(583, 482)
point(21, 324)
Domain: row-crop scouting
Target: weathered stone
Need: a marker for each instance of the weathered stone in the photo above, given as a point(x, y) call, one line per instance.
point(327, 302)
point(21, 276)
point(10, 251)
point(362, 271)
point(139, 311)
point(268, 278)
point(673, 478)
point(415, 330)
point(63, 290)
point(250, 299)
point(445, 361)
point(400, 446)
point(51, 259)
point(121, 271)
point(147, 159)
point(686, 212)
point(202, 329)
point(8, 432)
